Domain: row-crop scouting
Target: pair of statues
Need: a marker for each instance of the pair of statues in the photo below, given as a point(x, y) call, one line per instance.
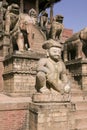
point(18, 26)
point(56, 27)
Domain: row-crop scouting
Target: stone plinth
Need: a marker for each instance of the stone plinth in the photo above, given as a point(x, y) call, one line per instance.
point(78, 69)
point(50, 97)
point(19, 73)
point(48, 112)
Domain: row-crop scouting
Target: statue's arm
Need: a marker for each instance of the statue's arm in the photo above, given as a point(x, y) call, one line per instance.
point(64, 76)
point(42, 66)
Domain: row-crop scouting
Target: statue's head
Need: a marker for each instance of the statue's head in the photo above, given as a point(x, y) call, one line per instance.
point(15, 8)
point(59, 18)
point(83, 34)
point(44, 13)
point(32, 13)
point(54, 49)
point(5, 4)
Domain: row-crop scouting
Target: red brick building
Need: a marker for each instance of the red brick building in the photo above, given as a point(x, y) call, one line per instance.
point(67, 33)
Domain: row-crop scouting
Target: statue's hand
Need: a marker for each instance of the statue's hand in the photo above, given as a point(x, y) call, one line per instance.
point(67, 88)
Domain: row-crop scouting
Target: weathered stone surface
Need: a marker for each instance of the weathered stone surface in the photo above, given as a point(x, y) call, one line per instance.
point(75, 46)
point(49, 116)
point(78, 69)
point(14, 113)
point(50, 97)
point(19, 73)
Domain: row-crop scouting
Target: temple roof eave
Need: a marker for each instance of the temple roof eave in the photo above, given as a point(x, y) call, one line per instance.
point(43, 4)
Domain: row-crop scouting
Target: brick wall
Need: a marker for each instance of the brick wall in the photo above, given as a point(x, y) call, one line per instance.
point(13, 120)
point(14, 113)
point(67, 33)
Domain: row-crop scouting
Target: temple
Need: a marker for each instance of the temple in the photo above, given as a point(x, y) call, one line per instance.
point(43, 78)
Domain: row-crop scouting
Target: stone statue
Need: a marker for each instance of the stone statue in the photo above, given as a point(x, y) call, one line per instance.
point(44, 23)
point(11, 17)
point(22, 33)
point(44, 19)
point(3, 9)
point(57, 27)
point(77, 45)
point(33, 15)
point(51, 71)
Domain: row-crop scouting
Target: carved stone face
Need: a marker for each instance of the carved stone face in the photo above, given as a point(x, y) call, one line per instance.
point(83, 34)
point(54, 53)
point(32, 13)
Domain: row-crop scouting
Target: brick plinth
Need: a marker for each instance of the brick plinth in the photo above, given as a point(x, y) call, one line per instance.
point(19, 73)
point(49, 116)
point(50, 97)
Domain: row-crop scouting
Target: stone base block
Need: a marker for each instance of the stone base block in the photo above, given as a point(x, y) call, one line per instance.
point(50, 97)
point(49, 116)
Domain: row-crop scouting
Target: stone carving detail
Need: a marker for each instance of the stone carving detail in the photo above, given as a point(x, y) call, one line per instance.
point(11, 17)
point(18, 27)
point(3, 9)
point(57, 27)
point(75, 46)
point(44, 19)
point(51, 71)
point(22, 32)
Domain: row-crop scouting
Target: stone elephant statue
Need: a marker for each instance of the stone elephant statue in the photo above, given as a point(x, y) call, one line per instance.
point(11, 18)
point(76, 46)
point(22, 34)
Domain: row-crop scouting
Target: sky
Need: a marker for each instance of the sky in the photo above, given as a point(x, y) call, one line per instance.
point(74, 12)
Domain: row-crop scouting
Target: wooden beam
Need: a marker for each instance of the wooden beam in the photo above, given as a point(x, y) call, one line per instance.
point(22, 6)
point(37, 7)
point(51, 13)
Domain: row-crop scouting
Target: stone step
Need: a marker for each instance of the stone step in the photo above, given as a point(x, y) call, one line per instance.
point(75, 86)
point(76, 90)
point(79, 129)
point(81, 105)
point(76, 97)
point(81, 124)
point(80, 114)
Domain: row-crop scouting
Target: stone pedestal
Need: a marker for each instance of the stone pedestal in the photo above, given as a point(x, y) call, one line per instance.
point(19, 73)
point(4, 45)
point(49, 112)
point(78, 69)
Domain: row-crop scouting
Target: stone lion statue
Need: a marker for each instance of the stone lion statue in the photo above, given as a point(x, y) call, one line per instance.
point(43, 19)
point(75, 46)
point(57, 27)
point(11, 17)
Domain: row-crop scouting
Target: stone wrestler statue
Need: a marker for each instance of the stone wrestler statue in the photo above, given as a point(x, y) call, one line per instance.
point(51, 71)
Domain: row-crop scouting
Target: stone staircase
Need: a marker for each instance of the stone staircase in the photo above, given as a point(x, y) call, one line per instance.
point(79, 99)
